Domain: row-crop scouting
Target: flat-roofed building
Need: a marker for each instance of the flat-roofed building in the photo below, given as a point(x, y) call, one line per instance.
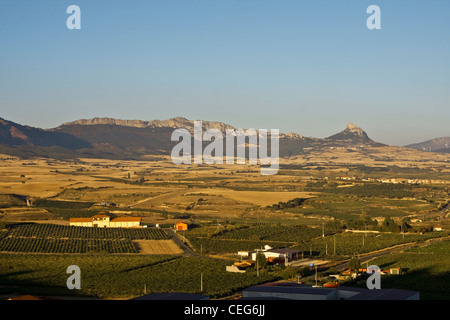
point(125, 222)
point(296, 291)
point(282, 253)
point(105, 221)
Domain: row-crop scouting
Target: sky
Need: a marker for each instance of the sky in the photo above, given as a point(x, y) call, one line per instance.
point(308, 67)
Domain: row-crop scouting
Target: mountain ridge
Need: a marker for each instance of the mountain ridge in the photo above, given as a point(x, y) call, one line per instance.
point(176, 122)
point(134, 139)
point(441, 144)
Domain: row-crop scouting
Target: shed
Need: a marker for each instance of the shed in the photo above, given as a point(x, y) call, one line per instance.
point(180, 226)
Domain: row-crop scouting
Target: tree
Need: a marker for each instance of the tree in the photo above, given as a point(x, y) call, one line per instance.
point(260, 260)
point(362, 216)
point(389, 225)
point(354, 264)
point(304, 271)
point(405, 226)
point(334, 226)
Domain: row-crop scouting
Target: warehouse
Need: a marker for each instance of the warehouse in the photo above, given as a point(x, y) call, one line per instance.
point(295, 291)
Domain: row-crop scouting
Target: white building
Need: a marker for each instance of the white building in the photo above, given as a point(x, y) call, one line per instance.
point(290, 254)
point(105, 221)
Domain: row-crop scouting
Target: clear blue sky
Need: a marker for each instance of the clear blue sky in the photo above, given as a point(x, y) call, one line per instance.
point(304, 66)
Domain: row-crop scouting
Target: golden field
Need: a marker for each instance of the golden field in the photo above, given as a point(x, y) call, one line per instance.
point(161, 192)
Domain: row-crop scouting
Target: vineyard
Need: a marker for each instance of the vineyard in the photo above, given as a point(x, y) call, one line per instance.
point(220, 246)
point(272, 233)
point(231, 240)
point(33, 245)
point(347, 243)
point(67, 209)
point(118, 276)
point(347, 207)
point(49, 238)
point(424, 269)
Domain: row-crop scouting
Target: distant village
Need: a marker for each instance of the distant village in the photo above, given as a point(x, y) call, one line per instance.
point(394, 180)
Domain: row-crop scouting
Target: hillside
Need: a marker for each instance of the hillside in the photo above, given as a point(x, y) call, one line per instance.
point(433, 145)
point(110, 138)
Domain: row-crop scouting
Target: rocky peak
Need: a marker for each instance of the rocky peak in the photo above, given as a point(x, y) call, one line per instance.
point(291, 135)
point(353, 128)
point(352, 134)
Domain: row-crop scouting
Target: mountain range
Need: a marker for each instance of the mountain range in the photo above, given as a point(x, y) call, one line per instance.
point(134, 139)
point(434, 145)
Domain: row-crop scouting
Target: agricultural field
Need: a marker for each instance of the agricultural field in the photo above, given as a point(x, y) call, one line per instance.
point(347, 244)
point(307, 206)
point(335, 244)
point(271, 233)
point(123, 277)
point(50, 238)
point(230, 240)
point(424, 269)
point(347, 207)
point(160, 247)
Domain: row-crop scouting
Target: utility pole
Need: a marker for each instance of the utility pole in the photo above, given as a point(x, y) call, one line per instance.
point(401, 228)
point(201, 282)
point(316, 276)
point(257, 268)
point(323, 230)
point(334, 243)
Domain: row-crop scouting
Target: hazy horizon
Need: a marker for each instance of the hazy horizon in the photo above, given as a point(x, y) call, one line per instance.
point(308, 67)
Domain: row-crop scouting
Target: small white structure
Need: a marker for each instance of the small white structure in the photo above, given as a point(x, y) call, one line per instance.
point(290, 254)
point(234, 269)
point(245, 254)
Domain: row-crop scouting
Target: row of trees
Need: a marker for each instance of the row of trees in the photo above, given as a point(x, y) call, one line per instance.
point(71, 232)
point(294, 203)
point(388, 225)
point(46, 245)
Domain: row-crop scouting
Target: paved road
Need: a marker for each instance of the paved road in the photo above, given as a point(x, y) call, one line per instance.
point(371, 255)
point(176, 238)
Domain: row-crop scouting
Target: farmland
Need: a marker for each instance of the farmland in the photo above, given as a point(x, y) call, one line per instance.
point(425, 269)
point(349, 244)
point(49, 238)
point(157, 247)
point(246, 237)
point(334, 245)
point(123, 277)
point(307, 207)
